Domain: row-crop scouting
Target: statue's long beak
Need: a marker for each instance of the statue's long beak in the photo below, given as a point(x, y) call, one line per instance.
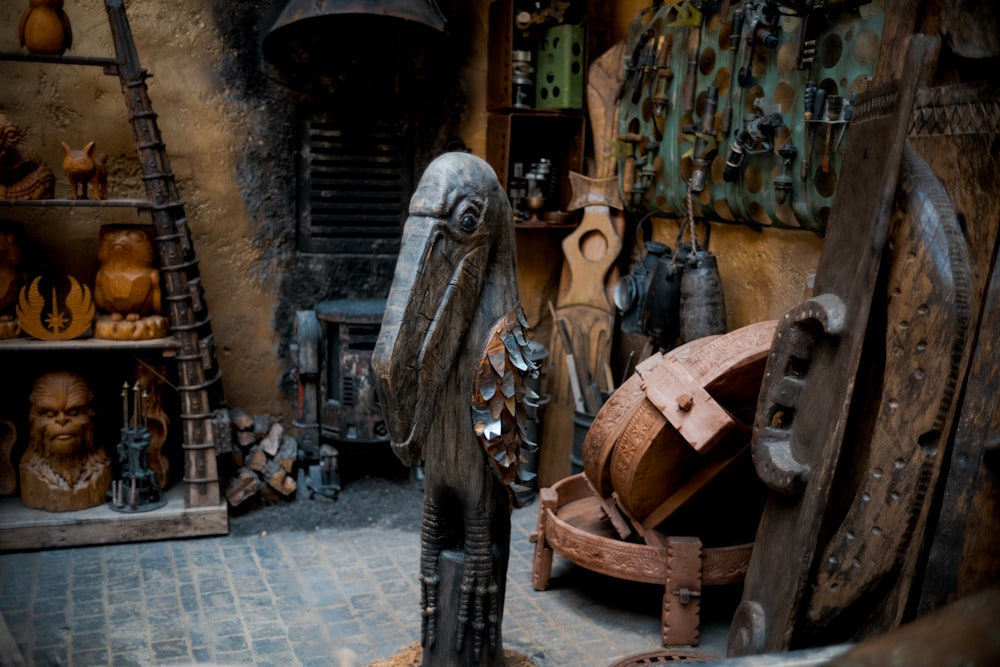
point(433, 295)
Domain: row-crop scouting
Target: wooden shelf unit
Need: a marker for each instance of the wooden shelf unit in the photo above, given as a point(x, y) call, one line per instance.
point(519, 136)
point(196, 506)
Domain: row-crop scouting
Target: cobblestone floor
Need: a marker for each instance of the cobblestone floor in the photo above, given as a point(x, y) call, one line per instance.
point(294, 598)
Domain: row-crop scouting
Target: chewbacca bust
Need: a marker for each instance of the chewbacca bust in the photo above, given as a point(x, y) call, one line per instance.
point(63, 469)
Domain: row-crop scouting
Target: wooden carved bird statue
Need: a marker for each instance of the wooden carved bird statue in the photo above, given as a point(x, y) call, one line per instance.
point(45, 29)
point(449, 364)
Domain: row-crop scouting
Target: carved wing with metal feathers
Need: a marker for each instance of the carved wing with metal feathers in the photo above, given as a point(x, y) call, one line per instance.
point(498, 393)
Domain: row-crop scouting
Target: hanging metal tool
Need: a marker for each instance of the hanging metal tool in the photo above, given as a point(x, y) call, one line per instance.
point(689, 15)
point(783, 181)
point(735, 37)
point(705, 144)
point(756, 136)
point(644, 67)
point(664, 76)
point(633, 64)
point(760, 27)
point(815, 100)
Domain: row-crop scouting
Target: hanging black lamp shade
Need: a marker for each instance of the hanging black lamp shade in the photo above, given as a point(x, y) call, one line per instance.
point(309, 31)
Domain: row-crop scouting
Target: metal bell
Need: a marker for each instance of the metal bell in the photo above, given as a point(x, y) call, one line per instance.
point(703, 306)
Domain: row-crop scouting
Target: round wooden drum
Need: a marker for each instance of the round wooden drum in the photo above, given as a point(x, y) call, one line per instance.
point(708, 388)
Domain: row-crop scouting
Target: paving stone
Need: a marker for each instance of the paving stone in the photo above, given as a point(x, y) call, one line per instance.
point(91, 658)
point(86, 624)
point(230, 644)
point(234, 657)
point(127, 643)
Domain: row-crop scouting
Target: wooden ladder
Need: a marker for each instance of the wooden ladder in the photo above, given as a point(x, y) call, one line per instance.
point(199, 376)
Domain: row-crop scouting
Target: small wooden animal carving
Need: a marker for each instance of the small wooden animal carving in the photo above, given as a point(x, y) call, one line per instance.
point(22, 174)
point(127, 287)
point(83, 167)
point(45, 28)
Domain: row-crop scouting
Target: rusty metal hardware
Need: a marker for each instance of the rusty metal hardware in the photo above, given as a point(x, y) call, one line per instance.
point(684, 594)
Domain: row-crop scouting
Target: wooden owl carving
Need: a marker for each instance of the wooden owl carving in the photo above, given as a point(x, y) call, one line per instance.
point(45, 28)
point(128, 284)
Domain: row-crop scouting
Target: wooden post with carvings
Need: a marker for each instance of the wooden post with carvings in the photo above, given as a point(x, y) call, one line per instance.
point(590, 254)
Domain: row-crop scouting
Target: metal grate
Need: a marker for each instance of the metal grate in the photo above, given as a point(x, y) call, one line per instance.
point(355, 183)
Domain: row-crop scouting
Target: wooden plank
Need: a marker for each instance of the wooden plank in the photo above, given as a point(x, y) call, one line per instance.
point(25, 528)
point(557, 427)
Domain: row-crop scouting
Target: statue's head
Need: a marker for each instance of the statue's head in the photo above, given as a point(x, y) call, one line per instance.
point(60, 416)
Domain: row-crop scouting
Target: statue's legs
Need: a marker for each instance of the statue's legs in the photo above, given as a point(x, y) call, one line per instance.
point(479, 587)
point(431, 542)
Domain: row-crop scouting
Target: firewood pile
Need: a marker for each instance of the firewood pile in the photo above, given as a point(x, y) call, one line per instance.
point(264, 457)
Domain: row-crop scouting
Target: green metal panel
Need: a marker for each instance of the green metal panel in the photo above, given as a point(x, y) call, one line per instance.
point(661, 123)
point(560, 68)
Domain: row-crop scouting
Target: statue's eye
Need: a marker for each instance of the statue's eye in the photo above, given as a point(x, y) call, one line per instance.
point(469, 216)
point(468, 222)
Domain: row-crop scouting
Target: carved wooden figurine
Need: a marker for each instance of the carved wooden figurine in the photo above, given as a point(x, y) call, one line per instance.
point(83, 166)
point(449, 364)
point(127, 288)
point(157, 420)
point(22, 174)
point(63, 469)
point(11, 277)
point(8, 475)
point(45, 28)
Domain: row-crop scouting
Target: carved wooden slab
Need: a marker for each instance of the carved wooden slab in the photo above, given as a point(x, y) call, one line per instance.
point(803, 408)
point(927, 312)
point(949, 126)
